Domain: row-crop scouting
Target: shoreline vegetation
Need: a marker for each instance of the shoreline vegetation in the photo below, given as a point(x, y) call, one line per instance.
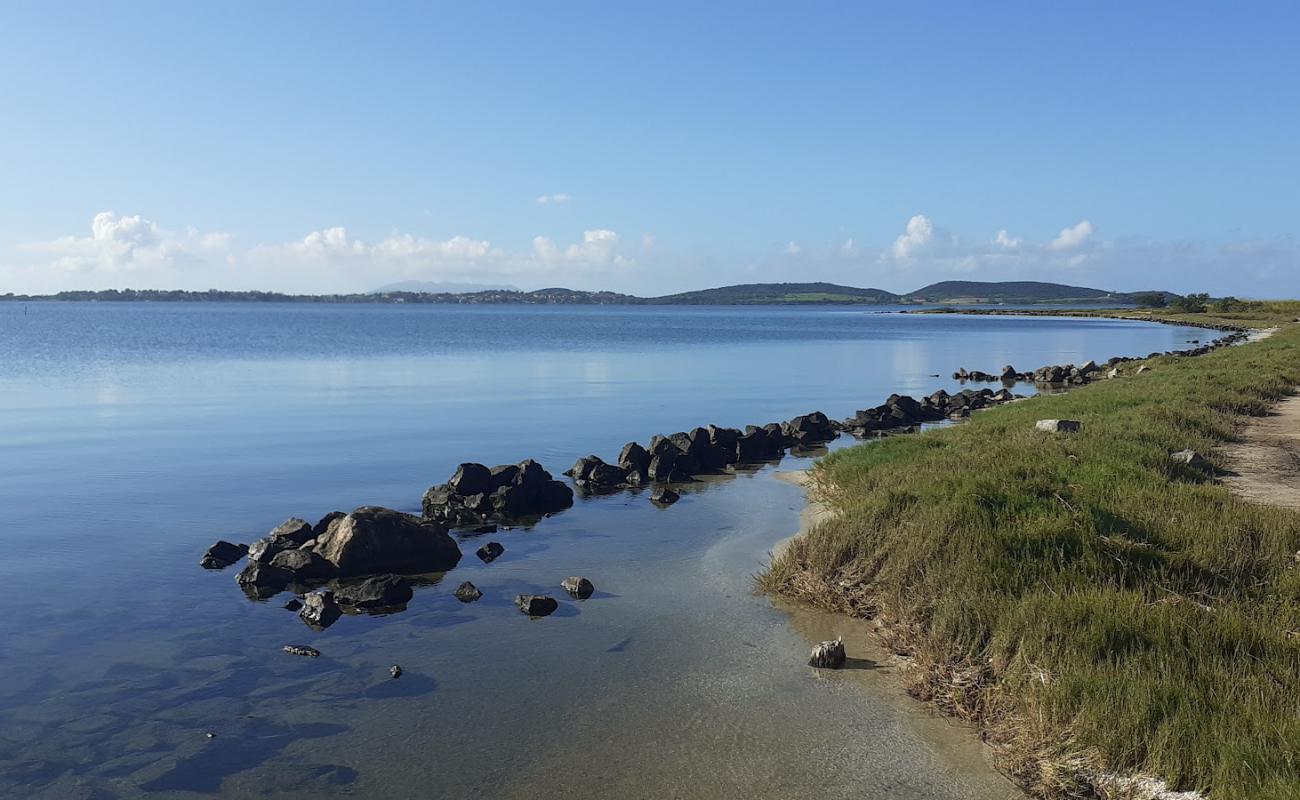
point(953, 292)
point(1113, 620)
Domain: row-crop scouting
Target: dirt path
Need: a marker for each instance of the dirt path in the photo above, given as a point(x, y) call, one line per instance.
point(1265, 466)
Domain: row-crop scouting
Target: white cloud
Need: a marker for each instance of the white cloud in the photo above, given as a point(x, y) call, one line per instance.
point(920, 232)
point(849, 248)
point(553, 199)
point(792, 249)
point(122, 244)
point(1008, 241)
point(1072, 237)
point(597, 247)
point(648, 242)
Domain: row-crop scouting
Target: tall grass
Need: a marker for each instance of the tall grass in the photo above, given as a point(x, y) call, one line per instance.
point(1093, 605)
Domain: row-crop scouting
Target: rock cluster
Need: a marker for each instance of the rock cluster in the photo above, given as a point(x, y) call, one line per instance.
point(369, 541)
point(902, 412)
point(477, 494)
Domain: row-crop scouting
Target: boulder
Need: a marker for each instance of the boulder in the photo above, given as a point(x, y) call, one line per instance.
point(378, 592)
point(261, 580)
point(372, 540)
point(467, 592)
point(581, 469)
point(504, 475)
point(288, 535)
point(605, 476)
point(293, 605)
point(304, 566)
point(756, 445)
point(1059, 425)
point(536, 605)
point(1142, 369)
point(1009, 373)
point(222, 554)
point(634, 458)
point(490, 552)
point(1191, 458)
point(324, 523)
point(580, 588)
point(665, 496)
point(828, 655)
point(470, 479)
point(319, 609)
point(661, 467)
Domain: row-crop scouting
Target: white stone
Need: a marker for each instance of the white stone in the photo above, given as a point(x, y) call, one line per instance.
point(1059, 425)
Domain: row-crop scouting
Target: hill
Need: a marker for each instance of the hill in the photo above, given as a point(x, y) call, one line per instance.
point(441, 287)
point(777, 293)
point(1010, 292)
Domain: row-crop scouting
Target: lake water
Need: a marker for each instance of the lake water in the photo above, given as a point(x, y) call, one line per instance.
point(133, 436)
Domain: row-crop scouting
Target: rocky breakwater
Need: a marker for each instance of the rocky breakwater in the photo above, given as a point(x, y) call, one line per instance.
point(903, 413)
point(369, 541)
point(679, 457)
point(509, 493)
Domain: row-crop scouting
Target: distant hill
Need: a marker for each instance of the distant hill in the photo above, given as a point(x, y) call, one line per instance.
point(441, 287)
point(1012, 292)
point(777, 293)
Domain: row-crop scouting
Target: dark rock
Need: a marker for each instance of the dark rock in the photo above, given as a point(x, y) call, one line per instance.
point(490, 552)
point(580, 588)
point(372, 540)
point(504, 475)
point(319, 609)
point(294, 529)
point(467, 592)
point(582, 467)
point(605, 476)
point(222, 554)
point(1009, 373)
point(293, 605)
point(395, 671)
point(536, 605)
point(262, 580)
point(665, 496)
point(301, 650)
point(470, 479)
point(303, 565)
point(380, 591)
point(485, 529)
point(661, 467)
point(634, 458)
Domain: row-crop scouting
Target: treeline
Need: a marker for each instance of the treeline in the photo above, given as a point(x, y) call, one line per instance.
point(1197, 303)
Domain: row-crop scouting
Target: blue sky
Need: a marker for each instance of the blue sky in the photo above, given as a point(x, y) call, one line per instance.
point(650, 147)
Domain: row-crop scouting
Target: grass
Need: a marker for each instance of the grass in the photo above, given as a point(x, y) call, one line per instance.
point(1091, 605)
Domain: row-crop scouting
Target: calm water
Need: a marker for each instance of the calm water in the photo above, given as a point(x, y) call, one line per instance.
point(133, 436)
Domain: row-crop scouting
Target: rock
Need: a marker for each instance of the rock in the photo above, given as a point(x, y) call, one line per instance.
point(665, 496)
point(222, 554)
point(1142, 369)
point(828, 655)
point(634, 458)
point(301, 650)
point(1009, 373)
point(504, 475)
point(372, 540)
point(395, 671)
point(580, 588)
point(319, 609)
point(1088, 367)
point(485, 529)
point(324, 523)
point(536, 605)
point(261, 580)
point(490, 552)
point(380, 591)
point(293, 605)
point(471, 479)
point(605, 476)
point(294, 529)
point(581, 469)
point(467, 592)
point(1191, 458)
point(303, 565)
point(288, 535)
point(661, 467)
point(1114, 373)
point(1059, 425)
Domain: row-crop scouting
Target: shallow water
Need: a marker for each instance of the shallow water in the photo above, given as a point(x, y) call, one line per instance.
point(135, 435)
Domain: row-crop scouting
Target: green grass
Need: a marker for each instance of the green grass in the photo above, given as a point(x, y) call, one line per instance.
point(1090, 604)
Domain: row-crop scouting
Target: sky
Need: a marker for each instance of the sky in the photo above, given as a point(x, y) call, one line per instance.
point(649, 147)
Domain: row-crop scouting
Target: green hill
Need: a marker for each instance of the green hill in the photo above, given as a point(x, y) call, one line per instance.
point(776, 293)
point(1009, 292)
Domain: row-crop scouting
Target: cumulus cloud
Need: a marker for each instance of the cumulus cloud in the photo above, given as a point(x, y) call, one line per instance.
point(553, 199)
point(597, 247)
point(1007, 241)
point(919, 233)
point(1072, 237)
point(128, 244)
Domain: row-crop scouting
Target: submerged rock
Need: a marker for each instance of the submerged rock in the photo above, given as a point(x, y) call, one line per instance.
point(665, 496)
point(580, 588)
point(490, 552)
point(222, 554)
point(261, 581)
point(467, 592)
point(536, 605)
point(395, 671)
point(828, 655)
point(301, 650)
point(379, 592)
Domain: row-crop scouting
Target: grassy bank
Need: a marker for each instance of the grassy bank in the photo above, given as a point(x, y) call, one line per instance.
point(1092, 605)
